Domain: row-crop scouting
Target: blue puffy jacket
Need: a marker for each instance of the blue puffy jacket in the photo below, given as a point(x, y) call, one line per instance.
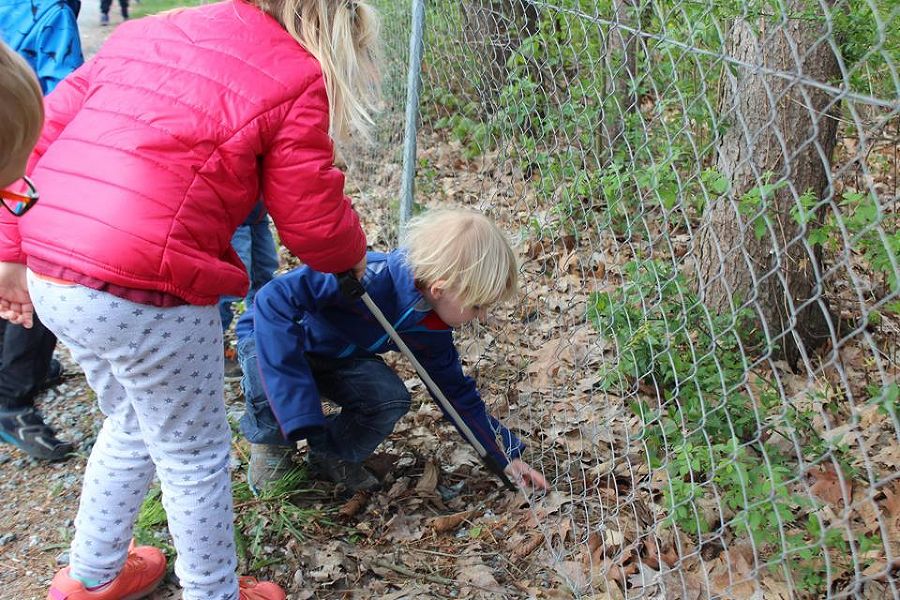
point(304, 311)
point(45, 33)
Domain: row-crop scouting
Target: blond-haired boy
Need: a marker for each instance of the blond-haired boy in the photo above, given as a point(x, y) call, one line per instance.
point(304, 338)
point(21, 119)
point(21, 115)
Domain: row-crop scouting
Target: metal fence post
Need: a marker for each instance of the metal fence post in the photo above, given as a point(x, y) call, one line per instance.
point(414, 84)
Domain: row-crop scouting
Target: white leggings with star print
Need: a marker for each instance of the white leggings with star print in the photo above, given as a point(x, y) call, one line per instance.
point(158, 376)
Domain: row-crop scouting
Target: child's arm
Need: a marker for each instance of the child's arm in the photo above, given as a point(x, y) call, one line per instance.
point(304, 192)
point(60, 48)
point(278, 309)
point(441, 360)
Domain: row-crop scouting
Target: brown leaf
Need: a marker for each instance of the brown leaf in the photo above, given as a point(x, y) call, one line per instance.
point(573, 575)
point(827, 485)
point(403, 528)
point(892, 509)
point(353, 505)
point(473, 571)
point(429, 479)
point(568, 241)
point(524, 549)
point(652, 558)
point(732, 572)
point(535, 249)
point(450, 522)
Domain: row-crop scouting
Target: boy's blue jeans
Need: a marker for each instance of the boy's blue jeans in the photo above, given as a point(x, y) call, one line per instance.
point(371, 396)
point(255, 245)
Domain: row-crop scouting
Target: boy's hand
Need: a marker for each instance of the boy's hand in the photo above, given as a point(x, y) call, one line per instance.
point(359, 269)
point(523, 475)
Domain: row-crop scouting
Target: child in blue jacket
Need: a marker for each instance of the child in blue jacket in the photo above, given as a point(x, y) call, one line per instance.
point(45, 33)
point(303, 340)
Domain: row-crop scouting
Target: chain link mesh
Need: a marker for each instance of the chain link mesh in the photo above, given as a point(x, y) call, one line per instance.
point(704, 357)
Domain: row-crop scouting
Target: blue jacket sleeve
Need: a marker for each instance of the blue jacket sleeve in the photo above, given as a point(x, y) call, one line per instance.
point(280, 337)
point(59, 48)
point(441, 360)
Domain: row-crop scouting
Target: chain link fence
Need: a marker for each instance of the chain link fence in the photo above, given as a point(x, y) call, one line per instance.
point(704, 357)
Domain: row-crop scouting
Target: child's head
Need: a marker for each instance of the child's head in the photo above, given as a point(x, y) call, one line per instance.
point(462, 262)
point(21, 115)
point(343, 36)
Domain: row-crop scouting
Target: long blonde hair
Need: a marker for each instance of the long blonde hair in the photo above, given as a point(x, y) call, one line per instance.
point(21, 107)
point(466, 250)
point(343, 35)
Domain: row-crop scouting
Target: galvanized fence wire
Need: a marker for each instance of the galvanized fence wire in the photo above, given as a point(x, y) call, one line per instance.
point(704, 356)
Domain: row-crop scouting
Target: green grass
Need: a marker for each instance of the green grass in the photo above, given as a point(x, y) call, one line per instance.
point(151, 7)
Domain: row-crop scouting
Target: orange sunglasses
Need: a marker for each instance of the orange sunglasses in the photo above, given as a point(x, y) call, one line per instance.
point(19, 204)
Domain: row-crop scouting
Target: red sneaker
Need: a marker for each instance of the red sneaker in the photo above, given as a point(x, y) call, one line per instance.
point(251, 589)
point(144, 569)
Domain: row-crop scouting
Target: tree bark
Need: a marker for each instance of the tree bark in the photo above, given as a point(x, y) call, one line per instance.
point(621, 73)
point(494, 29)
point(777, 125)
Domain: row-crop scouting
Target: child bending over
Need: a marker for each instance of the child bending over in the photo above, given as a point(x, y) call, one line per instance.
point(151, 155)
point(303, 340)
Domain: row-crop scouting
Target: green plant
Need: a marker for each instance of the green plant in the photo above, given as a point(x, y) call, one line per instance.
point(814, 554)
point(861, 225)
point(150, 525)
point(712, 431)
point(273, 517)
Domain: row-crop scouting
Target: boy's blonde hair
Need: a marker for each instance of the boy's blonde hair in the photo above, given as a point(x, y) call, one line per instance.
point(343, 36)
point(21, 107)
point(465, 249)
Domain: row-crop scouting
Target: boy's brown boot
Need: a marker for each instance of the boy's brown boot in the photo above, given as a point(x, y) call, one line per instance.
point(353, 477)
point(268, 464)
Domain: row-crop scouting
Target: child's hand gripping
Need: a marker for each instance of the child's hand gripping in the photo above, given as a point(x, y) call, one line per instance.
point(15, 303)
point(525, 477)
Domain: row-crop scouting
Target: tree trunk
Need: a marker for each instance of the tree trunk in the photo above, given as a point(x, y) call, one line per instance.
point(621, 73)
point(782, 130)
point(494, 29)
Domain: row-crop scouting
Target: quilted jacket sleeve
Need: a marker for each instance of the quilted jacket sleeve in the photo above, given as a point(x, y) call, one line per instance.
point(59, 108)
point(304, 192)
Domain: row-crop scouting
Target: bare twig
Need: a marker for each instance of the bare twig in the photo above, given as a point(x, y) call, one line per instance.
point(414, 574)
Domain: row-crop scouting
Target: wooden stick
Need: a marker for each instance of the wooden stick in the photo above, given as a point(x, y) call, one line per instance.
point(414, 574)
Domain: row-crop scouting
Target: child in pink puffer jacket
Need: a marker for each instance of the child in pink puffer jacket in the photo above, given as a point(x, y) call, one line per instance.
point(151, 155)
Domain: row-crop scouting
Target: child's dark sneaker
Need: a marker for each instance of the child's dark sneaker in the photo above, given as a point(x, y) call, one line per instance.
point(232, 366)
point(55, 375)
point(104, 20)
point(26, 430)
point(353, 477)
point(251, 589)
point(144, 569)
point(268, 464)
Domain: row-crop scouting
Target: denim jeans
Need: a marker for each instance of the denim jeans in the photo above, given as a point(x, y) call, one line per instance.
point(371, 396)
point(255, 245)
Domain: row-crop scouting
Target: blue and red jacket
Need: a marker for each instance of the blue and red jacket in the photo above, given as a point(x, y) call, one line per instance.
point(304, 311)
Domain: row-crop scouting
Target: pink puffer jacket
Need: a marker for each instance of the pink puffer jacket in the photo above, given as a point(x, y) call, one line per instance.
point(156, 150)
